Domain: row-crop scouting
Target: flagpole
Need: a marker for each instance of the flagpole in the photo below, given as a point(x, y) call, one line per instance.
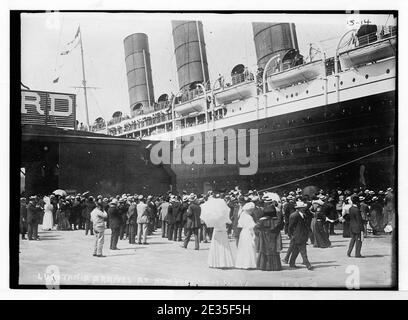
point(83, 78)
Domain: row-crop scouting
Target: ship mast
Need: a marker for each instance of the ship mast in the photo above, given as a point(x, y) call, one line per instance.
point(83, 78)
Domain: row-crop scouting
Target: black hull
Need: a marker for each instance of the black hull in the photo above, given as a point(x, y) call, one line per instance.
point(299, 144)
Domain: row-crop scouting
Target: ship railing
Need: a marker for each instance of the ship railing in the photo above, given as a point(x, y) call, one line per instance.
point(235, 79)
point(98, 127)
point(191, 94)
point(355, 41)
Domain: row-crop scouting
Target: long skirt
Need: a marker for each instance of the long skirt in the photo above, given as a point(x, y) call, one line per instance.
point(312, 231)
point(346, 229)
point(321, 236)
point(220, 255)
point(269, 260)
point(47, 222)
point(63, 223)
point(246, 253)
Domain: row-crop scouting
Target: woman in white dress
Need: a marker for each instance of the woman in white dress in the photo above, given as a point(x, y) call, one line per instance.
point(215, 214)
point(47, 222)
point(246, 254)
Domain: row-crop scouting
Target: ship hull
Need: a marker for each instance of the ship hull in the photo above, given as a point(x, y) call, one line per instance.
point(347, 144)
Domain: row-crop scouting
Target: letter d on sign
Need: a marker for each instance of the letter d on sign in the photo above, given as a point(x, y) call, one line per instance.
point(54, 112)
point(353, 280)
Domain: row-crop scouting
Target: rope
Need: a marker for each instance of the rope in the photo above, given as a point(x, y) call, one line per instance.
point(328, 170)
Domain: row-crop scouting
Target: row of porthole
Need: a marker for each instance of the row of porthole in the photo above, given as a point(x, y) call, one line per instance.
point(233, 110)
point(337, 147)
point(341, 83)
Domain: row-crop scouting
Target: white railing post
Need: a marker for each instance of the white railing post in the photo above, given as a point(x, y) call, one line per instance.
point(264, 81)
point(336, 62)
point(324, 78)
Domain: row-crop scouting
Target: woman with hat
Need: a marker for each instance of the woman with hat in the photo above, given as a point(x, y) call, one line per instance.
point(246, 253)
point(376, 216)
point(47, 222)
point(321, 236)
point(63, 223)
point(345, 218)
point(215, 214)
point(267, 231)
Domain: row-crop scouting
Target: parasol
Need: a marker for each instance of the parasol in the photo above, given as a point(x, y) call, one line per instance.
point(215, 212)
point(60, 192)
point(271, 196)
point(310, 191)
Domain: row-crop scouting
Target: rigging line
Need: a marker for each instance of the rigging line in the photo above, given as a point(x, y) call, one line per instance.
point(328, 170)
point(97, 104)
point(387, 20)
point(59, 44)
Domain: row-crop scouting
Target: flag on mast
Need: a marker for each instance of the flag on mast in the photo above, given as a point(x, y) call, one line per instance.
point(70, 44)
point(68, 48)
point(77, 34)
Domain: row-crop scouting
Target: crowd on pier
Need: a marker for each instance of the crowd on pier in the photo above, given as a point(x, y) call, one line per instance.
point(256, 220)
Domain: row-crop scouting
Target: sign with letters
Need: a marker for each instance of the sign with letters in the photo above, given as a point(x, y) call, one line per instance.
point(48, 108)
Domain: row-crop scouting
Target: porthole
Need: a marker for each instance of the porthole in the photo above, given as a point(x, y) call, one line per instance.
point(291, 95)
point(307, 91)
point(341, 83)
point(354, 80)
point(387, 71)
point(366, 76)
point(287, 96)
point(296, 94)
point(277, 99)
point(240, 109)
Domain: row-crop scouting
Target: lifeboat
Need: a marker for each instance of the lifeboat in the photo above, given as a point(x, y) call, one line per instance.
point(197, 104)
point(239, 91)
point(381, 49)
point(302, 73)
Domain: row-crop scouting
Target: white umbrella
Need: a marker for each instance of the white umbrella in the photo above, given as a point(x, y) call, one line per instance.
point(271, 196)
point(60, 192)
point(214, 211)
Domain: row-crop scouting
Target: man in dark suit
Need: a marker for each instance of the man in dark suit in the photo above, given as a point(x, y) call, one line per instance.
point(33, 218)
point(288, 209)
point(115, 221)
point(171, 219)
point(89, 206)
point(132, 221)
point(178, 220)
point(356, 228)
point(299, 231)
point(364, 210)
point(193, 222)
point(123, 209)
point(23, 217)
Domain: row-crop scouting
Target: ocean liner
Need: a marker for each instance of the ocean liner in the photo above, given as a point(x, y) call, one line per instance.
point(326, 121)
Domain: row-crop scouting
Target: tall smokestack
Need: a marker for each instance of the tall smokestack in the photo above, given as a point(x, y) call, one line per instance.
point(273, 38)
point(191, 56)
point(139, 73)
